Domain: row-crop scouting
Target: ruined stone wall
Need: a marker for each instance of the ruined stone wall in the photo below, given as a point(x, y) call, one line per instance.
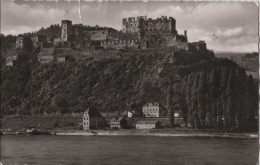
point(201, 45)
point(169, 39)
point(182, 46)
point(158, 39)
point(62, 44)
point(162, 24)
point(99, 35)
point(46, 51)
point(123, 36)
point(120, 44)
point(62, 51)
point(181, 38)
point(153, 39)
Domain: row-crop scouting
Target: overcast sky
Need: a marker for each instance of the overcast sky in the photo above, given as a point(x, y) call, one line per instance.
point(225, 26)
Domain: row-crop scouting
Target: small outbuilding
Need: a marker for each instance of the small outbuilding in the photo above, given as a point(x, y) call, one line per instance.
point(148, 124)
point(118, 123)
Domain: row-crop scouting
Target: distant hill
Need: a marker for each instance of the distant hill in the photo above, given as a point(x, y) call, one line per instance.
point(249, 61)
point(228, 54)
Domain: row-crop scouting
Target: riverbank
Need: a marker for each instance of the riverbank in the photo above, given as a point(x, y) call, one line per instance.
point(68, 125)
point(167, 132)
point(161, 133)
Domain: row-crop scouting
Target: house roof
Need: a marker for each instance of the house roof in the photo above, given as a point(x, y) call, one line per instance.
point(147, 122)
point(93, 112)
point(163, 121)
point(115, 119)
point(151, 104)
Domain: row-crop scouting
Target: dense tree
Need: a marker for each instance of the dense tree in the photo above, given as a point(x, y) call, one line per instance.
point(226, 96)
point(6, 40)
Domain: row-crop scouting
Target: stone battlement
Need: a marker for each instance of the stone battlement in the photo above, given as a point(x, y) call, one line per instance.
point(142, 24)
point(134, 19)
point(138, 18)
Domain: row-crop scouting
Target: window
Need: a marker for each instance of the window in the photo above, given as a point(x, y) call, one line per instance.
point(84, 123)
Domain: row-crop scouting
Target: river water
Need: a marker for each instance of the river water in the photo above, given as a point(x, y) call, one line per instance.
point(128, 150)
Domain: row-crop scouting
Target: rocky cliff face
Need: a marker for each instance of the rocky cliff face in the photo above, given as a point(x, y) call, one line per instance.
point(203, 87)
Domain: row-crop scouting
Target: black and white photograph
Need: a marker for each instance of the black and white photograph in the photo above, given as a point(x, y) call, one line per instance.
point(100, 82)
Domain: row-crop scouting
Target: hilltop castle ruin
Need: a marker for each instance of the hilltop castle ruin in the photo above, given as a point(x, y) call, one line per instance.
point(136, 33)
point(143, 33)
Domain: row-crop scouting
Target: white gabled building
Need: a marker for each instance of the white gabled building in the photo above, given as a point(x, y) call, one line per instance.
point(92, 120)
point(151, 109)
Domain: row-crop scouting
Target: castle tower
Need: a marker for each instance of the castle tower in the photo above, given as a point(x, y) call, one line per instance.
point(172, 25)
point(66, 30)
point(132, 24)
point(185, 35)
point(124, 25)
